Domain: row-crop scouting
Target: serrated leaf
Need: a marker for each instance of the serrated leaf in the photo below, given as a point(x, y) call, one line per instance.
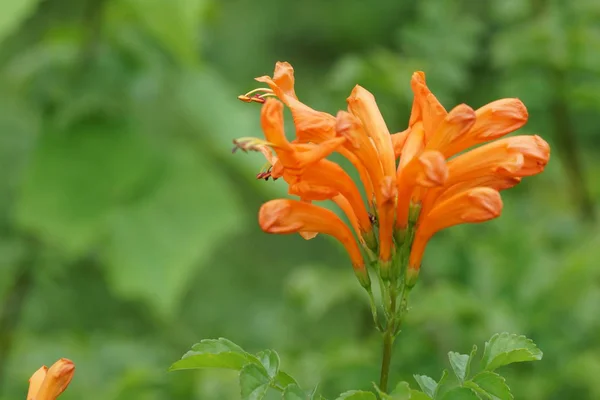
point(493, 384)
point(214, 353)
point(506, 348)
point(461, 393)
point(459, 363)
point(254, 382)
point(270, 360)
point(293, 392)
point(284, 379)
point(428, 385)
point(357, 395)
point(416, 395)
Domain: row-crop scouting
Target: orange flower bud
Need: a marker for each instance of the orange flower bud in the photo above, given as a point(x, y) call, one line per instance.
point(48, 384)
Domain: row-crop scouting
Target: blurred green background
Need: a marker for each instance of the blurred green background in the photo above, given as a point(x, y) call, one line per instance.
point(128, 231)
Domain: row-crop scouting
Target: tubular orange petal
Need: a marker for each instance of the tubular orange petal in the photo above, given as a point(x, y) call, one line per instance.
point(493, 121)
point(414, 144)
point(452, 128)
point(57, 379)
point(290, 216)
point(326, 179)
point(362, 104)
point(426, 107)
point(427, 170)
point(398, 140)
point(470, 206)
point(35, 382)
point(292, 157)
point(514, 156)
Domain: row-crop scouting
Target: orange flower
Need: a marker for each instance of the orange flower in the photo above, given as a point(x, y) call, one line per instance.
point(430, 188)
point(470, 192)
point(48, 384)
point(291, 216)
point(311, 126)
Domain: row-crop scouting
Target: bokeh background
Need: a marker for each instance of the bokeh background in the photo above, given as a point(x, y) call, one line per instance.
point(128, 230)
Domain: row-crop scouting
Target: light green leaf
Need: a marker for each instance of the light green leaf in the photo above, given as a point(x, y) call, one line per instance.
point(461, 393)
point(76, 181)
point(459, 363)
point(493, 384)
point(417, 395)
point(284, 379)
point(214, 353)
point(157, 243)
point(506, 348)
point(293, 392)
point(254, 382)
point(174, 23)
point(270, 360)
point(13, 13)
point(428, 385)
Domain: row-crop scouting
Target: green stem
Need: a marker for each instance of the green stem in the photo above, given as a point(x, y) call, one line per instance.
point(388, 342)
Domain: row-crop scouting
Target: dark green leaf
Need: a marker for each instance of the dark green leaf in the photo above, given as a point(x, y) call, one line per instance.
point(461, 393)
point(254, 382)
point(270, 360)
point(493, 384)
point(506, 348)
point(459, 363)
point(214, 353)
point(427, 384)
point(293, 392)
point(357, 395)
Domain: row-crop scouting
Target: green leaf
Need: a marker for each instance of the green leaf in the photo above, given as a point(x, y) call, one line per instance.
point(417, 395)
point(254, 382)
point(214, 353)
point(293, 392)
point(471, 357)
point(400, 392)
point(459, 363)
point(283, 379)
point(442, 385)
point(428, 385)
point(461, 393)
point(13, 13)
point(270, 360)
point(357, 395)
point(506, 348)
point(493, 384)
point(157, 243)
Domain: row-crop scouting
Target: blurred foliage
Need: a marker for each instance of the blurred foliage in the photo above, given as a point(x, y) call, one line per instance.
point(127, 231)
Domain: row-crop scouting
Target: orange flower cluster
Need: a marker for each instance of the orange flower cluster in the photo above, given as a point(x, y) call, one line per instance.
point(49, 383)
point(416, 182)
